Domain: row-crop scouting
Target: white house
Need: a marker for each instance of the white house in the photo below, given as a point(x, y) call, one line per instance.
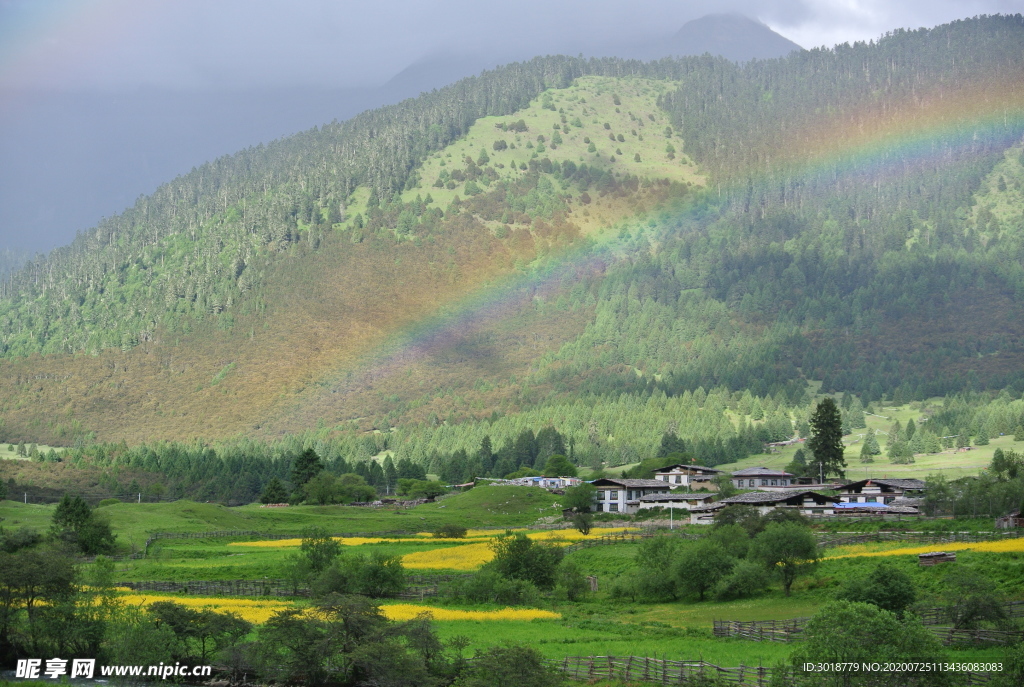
point(883, 490)
point(690, 476)
point(802, 501)
point(680, 501)
point(757, 478)
point(623, 495)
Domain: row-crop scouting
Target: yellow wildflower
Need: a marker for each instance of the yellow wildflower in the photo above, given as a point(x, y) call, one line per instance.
point(410, 611)
point(1000, 546)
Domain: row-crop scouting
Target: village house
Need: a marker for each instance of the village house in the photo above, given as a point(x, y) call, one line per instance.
point(542, 482)
point(689, 476)
point(757, 478)
point(1010, 521)
point(615, 495)
point(883, 490)
point(681, 501)
point(799, 500)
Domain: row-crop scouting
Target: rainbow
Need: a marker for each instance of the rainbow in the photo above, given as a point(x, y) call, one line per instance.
point(861, 142)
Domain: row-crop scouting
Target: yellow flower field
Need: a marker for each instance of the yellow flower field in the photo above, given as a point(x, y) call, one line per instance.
point(1001, 546)
point(255, 611)
point(465, 557)
point(260, 611)
point(410, 611)
point(294, 543)
point(569, 535)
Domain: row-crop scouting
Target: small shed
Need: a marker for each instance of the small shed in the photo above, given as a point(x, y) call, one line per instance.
point(1010, 522)
point(935, 557)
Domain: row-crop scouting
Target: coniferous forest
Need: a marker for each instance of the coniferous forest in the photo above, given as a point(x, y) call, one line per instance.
point(852, 222)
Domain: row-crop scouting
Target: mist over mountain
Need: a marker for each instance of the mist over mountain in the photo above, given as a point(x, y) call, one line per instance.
point(731, 36)
point(71, 158)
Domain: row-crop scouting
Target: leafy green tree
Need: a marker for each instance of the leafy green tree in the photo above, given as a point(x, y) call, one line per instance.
point(450, 531)
point(318, 549)
point(747, 578)
point(559, 466)
point(380, 576)
point(701, 566)
point(858, 633)
point(580, 498)
point(740, 514)
point(731, 537)
point(788, 548)
point(74, 522)
point(199, 633)
point(656, 574)
point(420, 488)
point(973, 600)
point(570, 581)
point(518, 557)
point(322, 489)
point(352, 487)
point(516, 665)
point(274, 492)
point(826, 441)
point(583, 522)
point(886, 586)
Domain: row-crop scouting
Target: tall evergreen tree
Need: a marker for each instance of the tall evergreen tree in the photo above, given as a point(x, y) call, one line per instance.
point(305, 467)
point(826, 442)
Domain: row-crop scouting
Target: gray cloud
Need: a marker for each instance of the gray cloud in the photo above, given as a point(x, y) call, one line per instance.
point(101, 100)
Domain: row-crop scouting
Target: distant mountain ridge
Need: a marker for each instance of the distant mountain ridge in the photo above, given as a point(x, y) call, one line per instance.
point(553, 231)
point(732, 36)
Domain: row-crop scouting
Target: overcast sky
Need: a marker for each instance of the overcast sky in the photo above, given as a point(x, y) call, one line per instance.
point(64, 163)
point(204, 44)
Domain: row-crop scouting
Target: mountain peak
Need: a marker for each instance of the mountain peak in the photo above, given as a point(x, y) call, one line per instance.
point(733, 36)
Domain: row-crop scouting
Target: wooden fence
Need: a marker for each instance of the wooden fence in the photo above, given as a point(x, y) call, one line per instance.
point(935, 619)
point(417, 587)
point(664, 672)
point(657, 670)
point(761, 630)
point(831, 539)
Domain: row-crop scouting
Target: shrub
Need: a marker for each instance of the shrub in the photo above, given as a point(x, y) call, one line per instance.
point(746, 579)
point(886, 586)
point(701, 566)
point(487, 586)
point(518, 557)
point(509, 666)
point(450, 532)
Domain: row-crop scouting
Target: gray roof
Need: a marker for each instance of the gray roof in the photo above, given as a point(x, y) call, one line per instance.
point(758, 472)
point(772, 496)
point(677, 497)
point(631, 483)
point(907, 483)
point(698, 468)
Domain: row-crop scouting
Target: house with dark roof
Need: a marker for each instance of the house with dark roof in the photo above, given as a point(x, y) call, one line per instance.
point(757, 478)
point(690, 476)
point(881, 490)
point(800, 500)
point(676, 501)
point(615, 495)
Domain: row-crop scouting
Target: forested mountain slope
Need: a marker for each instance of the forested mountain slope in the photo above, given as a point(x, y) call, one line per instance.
point(555, 230)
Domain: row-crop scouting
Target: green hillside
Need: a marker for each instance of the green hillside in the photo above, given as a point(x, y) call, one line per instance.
point(474, 263)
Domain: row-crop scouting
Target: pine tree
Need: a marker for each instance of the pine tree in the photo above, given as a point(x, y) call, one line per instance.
point(306, 466)
point(826, 442)
point(274, 492)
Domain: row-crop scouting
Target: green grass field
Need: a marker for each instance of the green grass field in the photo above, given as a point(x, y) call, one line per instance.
point(9, 453)
point(498, 506)
point(600, 625)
